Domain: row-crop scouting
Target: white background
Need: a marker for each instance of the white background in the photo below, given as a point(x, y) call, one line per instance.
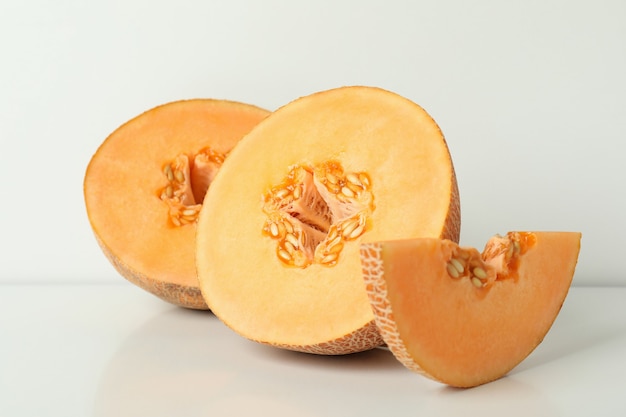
point(531, 96)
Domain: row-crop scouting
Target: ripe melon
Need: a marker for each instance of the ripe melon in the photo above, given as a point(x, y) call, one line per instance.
point(462, 317)
point(145, 185)
point(295, 199)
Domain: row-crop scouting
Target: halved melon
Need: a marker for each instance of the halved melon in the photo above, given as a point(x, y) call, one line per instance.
point(145, 185)
point(297, 196)
point(462, 317)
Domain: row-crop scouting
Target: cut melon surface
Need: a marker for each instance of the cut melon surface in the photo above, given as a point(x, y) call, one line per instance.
point(297, 196)
point(145, 184)
point(462, 317)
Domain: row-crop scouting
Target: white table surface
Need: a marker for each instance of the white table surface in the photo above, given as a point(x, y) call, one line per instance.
point(113, 350)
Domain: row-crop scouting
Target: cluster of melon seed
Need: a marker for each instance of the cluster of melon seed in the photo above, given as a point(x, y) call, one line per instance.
point(499, 260)
point(345, 187)
point(468, 263)
point(292, 248)
point(506, 251)
point(314, 211)
point(182, 194)
point(327, 252)
point(508, 247)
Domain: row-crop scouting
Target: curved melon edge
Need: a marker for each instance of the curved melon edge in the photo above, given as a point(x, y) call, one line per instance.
point(365, 338)
point(177, 294)
point(373, 274)
point(377, 292)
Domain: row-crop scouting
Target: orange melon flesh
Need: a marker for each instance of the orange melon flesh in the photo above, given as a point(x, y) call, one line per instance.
point(320, 308)
point(125, 178)
point(463, 331)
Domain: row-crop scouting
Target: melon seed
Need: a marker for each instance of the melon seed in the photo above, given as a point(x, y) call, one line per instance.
point(452, 271)
point(457, 265)
point(477, 283)
point(480, 272)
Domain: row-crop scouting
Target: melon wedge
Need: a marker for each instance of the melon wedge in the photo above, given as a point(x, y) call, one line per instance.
point(297, 196)
point(145, 185)
point(465, 318)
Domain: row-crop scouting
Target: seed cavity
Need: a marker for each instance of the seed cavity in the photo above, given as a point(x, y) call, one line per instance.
point(188, 178)
point(467, 263)
point(504, 253)
point(499, 260)
point(317, 209)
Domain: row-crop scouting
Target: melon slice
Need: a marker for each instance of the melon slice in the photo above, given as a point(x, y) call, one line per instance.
point(462, 317)
point(297, 196)
point(145, 185)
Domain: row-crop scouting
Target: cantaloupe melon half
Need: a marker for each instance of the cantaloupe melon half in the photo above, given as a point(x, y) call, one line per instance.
point(297, 196)
point(145, 185)
point(465, 318)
